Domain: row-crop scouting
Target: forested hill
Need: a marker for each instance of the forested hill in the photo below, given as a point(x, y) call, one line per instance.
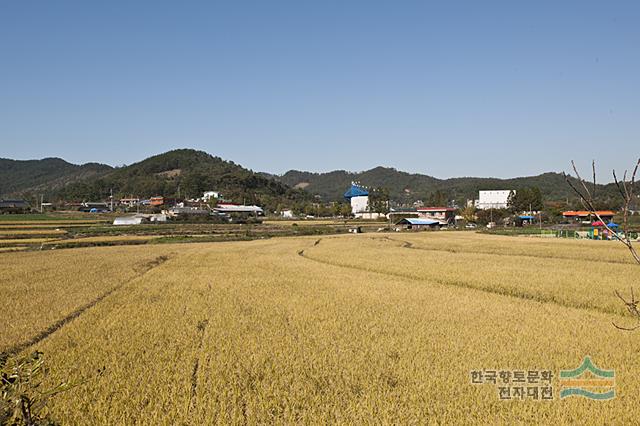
point(187, 173)
point(46, 175)
point(404, 186)
point(184, 173)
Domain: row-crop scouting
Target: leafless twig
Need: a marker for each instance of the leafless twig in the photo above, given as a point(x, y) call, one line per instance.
point(587, 198)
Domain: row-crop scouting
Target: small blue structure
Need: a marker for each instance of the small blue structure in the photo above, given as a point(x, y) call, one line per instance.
point(355, 191)
point(416, 224)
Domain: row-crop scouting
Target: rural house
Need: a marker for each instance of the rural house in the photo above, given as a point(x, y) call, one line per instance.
point(416, 224)
point(444, 215)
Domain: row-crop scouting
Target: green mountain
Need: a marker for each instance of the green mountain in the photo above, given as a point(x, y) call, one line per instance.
point(187, 173)
point(43, 176)
point(184, 173)
point(408, 187)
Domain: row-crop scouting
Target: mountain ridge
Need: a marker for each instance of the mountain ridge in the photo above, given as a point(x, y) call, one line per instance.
point(187, 172)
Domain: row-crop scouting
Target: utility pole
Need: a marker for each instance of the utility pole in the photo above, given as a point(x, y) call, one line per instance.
point(111, 197)
point(540, 218)
point(41, 201)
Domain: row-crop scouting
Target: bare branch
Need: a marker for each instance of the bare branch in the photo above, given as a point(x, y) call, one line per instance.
point(593, 168)
point(626, 190)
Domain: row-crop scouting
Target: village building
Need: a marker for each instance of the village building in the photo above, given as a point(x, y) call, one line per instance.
point(493, 199)
point(358, 197)
point(156, 201)
point(587, 216)
point(397, 213)
point(230, 208)
point(187, 211)
point(444, 215)
point(130, 220)
point(416, 224)
point(94, 207)
point(208, 195)
point(14, 206)
point(129, 202)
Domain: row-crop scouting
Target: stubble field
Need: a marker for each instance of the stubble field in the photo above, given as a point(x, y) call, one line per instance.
point(369, 328)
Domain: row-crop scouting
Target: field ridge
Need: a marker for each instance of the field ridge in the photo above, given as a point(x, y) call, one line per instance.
point(460, 284)
point(57, 325)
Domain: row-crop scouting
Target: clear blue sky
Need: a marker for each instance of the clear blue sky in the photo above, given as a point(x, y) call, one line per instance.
point(443, 88)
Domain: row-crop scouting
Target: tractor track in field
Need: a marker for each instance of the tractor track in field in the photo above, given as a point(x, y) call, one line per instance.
point(465, 285)
point(141, 270)
point(201, 327)
point(410, 245)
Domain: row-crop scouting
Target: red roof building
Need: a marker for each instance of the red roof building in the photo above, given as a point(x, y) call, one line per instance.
point(585, 214)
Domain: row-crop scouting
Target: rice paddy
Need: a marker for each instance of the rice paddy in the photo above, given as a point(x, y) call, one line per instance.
point(368, 328)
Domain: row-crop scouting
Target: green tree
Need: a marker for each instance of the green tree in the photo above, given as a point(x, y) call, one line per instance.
point(379, 200)
point(525, 199)
point(469, 214)
point(437, 199)
point(345, 209)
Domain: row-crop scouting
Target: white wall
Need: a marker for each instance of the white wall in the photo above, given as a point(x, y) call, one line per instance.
point(493, 199)
point(359, 204)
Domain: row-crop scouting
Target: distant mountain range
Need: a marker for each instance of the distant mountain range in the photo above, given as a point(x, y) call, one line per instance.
point(188, 173)
point(185, 173)
point(407, 187)
point(17, 176)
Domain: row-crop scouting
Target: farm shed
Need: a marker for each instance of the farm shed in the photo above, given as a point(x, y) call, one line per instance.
point(444, 215)
point(14, 206)
point(188, 211)
point(130, 220)
point(414, 224)
point(227, 208)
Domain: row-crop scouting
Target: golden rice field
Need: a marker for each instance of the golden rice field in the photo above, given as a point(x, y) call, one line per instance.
point(350, 329)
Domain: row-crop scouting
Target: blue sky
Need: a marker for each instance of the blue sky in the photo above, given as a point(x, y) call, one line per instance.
point(443, 88)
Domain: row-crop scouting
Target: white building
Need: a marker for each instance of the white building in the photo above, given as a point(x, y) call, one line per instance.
point(209, 195)
point(358, 196)
point(130, 220)
point(494, 199)
point(237, 208)
point(287, 214)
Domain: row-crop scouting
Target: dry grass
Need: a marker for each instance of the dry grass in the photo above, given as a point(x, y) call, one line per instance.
point(14, 225)
point(11, 232)
point(23, 241)
point(105, 238)
point(357, 329)
point(9, 249)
